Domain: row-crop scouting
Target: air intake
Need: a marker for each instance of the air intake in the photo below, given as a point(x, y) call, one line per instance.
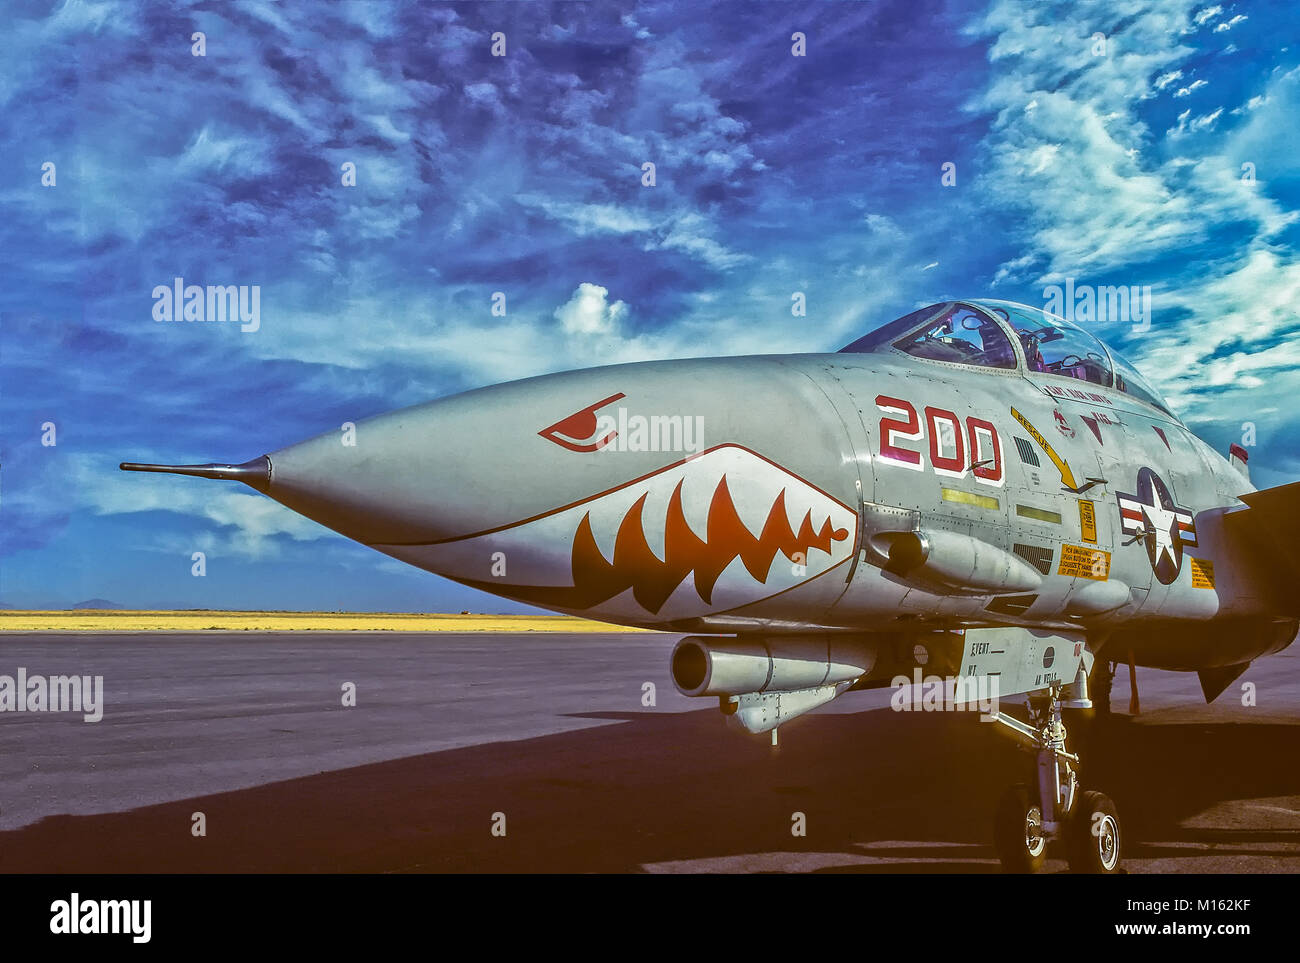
point(1037, 556)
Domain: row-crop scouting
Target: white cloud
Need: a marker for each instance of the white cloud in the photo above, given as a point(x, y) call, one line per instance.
point(1104, 206)
point(883, 227)
point(1206, 15)
point(1116, 208)
point(1207, 120)
point(1249, 105)
point(589, 312)
point(1164, 80)
point(1252, 304)
point(588, 219)
point(1193, 125)
point(240, 522)
point(484, 94)
point(691, 233)
point(210, 150)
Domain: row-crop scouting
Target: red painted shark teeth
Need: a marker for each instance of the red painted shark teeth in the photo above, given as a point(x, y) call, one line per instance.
point(635, 566)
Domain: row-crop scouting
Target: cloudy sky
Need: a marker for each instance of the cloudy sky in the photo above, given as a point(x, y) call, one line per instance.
point(1125, 142)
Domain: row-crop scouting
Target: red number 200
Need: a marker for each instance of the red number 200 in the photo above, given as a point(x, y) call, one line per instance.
point(947, 455)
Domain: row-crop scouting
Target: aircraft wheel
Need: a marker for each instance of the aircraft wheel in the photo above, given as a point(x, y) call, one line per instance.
point(1093, 839)
point(1018, 831)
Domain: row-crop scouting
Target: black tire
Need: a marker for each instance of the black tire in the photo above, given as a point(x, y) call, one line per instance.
point(1093, 839)
point(1020, 849)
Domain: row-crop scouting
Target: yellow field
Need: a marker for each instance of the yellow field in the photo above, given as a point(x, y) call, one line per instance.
point(105, 620)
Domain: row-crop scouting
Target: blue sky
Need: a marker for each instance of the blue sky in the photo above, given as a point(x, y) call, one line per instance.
point(522, 174)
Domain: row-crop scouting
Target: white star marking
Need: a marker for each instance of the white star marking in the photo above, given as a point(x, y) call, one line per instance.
point(1165, 526)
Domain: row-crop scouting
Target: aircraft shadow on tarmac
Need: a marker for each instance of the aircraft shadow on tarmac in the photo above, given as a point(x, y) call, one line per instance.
point(913, 792)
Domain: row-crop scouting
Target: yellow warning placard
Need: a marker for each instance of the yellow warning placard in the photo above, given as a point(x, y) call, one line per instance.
point(1087, 520)
point(1080, 562)
point(1202, 573)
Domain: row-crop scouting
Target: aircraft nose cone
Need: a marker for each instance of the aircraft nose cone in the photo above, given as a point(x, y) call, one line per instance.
point(454, 466)
point(400, 477)
point(571, 489)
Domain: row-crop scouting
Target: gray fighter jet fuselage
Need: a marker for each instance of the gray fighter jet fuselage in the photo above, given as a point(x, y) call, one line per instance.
point(978, 486)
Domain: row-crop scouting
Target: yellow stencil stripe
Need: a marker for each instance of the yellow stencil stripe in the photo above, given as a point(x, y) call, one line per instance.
point(969, 498)
point(1039, 514)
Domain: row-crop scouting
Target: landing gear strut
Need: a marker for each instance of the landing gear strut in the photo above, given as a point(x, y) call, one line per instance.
point(1053, 809)
point(1103, 680)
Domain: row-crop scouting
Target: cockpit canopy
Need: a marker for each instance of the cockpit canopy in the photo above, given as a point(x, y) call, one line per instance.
point(1009, 336)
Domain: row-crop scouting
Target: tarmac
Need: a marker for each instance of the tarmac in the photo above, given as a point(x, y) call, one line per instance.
point(550, 752)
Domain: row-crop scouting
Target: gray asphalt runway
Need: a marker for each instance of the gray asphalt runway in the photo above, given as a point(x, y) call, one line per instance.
point(551, 731)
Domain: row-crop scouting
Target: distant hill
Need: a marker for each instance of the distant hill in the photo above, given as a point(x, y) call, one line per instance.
point(4, 606)
point(97, 604)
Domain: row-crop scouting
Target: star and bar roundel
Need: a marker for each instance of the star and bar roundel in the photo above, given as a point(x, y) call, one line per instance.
point(1152, 516)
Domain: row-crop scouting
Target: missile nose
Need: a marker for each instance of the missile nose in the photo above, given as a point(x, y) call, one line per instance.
point(255, 473)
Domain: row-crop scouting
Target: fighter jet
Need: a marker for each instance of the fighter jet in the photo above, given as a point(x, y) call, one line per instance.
point(979, 489)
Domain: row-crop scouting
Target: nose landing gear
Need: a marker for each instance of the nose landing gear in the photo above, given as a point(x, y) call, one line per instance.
point(1054, 810)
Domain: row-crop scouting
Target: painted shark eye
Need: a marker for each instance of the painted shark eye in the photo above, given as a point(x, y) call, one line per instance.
point(580, 431)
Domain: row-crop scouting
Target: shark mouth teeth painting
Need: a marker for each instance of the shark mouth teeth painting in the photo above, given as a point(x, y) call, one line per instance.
point(712, 533)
